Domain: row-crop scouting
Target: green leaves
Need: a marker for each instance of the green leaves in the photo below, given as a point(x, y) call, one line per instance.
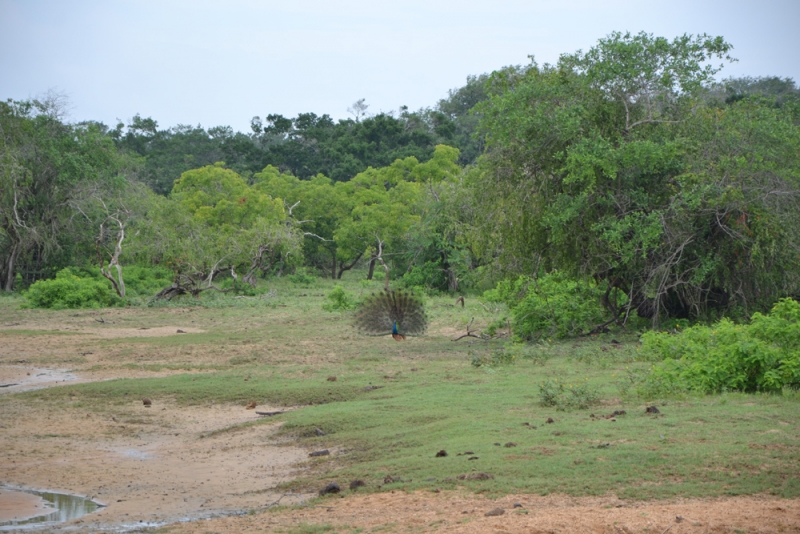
point(551, 306)
point(68, 290)
point(761, 356)
point(57, 181)
point(219, 196)
point(648, 74)
point(614, 165)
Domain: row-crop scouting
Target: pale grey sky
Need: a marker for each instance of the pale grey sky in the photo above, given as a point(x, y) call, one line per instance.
point(221, 63)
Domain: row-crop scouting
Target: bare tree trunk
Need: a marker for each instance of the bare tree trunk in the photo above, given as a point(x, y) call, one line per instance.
point(343, 267)
point(8, 285)
point(379, 257)
point(333, 267)
point(371, 272)
point(118, 283)
point(452, 280)
point(255, 264)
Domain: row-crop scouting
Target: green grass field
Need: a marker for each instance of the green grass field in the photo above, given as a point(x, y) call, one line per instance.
point(394, 405)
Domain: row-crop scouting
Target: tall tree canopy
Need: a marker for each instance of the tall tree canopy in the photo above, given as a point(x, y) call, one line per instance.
point(612, 165)
point(50, 173)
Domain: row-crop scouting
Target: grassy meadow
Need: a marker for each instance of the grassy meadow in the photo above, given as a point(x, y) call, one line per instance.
point(394, 405)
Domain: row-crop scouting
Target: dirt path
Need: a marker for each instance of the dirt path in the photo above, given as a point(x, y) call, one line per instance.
point(192, 470)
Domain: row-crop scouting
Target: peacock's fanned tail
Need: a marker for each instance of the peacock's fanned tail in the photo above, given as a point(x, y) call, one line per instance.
point(380, 311)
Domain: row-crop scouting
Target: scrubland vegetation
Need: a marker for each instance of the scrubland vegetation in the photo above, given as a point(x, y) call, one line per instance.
point(624, 226)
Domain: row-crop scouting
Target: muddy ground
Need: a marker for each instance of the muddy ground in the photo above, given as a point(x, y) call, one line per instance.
point(171, 466)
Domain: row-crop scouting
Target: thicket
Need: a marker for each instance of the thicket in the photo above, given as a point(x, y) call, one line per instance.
point(763, 355)
point(339, 300)
point(628, 164)
point(309, 144)
point(75, 287)
point(550, 306)
point(68, 290)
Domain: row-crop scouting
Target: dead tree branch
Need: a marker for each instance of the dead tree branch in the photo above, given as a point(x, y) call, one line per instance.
point(470, 332)
point(118, 282)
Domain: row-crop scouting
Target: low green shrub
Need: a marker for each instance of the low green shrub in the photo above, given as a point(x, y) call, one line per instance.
point(492, 358)
point(562, 396)
point(143, 281)
point(67, 290)
point(302, 279)
point(554, 305)
point(339, 300)
point(761, 356)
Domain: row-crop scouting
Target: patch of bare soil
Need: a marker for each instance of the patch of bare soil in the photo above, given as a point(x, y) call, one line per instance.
point(148, 465)
point(453, 512)
point(18, 506)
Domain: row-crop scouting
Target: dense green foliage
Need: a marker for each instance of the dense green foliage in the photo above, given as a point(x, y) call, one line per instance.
point(51, 175)
point(68, 290)
point(87, 288)
point(552, 305)
point(763, 355)
point(618, 164)
point(339, 300)
point(307, 145)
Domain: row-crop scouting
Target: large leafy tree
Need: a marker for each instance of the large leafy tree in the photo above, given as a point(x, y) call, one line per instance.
point(384, 207)
point(309, 145)
point(612, 165)
point(50, 173)
point(316, 206)
point(215, 223)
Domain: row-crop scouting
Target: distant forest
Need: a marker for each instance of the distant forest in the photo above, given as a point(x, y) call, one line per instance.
point(308, 145)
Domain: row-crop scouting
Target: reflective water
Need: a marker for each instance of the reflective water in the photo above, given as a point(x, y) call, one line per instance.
point(65, 507)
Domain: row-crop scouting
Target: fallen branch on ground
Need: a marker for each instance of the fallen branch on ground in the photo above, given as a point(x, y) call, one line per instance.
point(469, 333)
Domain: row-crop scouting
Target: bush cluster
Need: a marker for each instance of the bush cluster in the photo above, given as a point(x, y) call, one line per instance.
point(76, 287)
point(302, 279)
point(761, 356)
point(430, 275)
point(557, 394)
point(339, 300)
point(553, 305)
point(143, 281)
point(68, 290)
point(492, 358)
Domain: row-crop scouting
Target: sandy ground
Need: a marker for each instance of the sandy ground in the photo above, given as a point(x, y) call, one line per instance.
point(461, 513)
point(18, 505)
point(148, 465)
point(192, 470)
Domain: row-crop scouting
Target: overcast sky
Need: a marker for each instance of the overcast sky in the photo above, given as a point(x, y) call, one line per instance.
point(220, 63)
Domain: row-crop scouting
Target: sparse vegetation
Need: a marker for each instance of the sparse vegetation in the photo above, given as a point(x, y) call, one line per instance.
point(394, 405)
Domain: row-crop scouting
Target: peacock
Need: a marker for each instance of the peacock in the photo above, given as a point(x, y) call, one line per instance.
point(394, 312)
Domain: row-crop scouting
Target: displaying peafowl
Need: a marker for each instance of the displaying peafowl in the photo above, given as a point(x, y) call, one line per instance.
point(394, 312)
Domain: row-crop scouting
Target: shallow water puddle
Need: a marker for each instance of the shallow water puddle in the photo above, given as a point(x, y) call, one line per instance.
point(51, 507)
point(17, 378)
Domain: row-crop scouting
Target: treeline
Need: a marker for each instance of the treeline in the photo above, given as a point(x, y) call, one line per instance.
point(626, 167)
point(308, 145)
